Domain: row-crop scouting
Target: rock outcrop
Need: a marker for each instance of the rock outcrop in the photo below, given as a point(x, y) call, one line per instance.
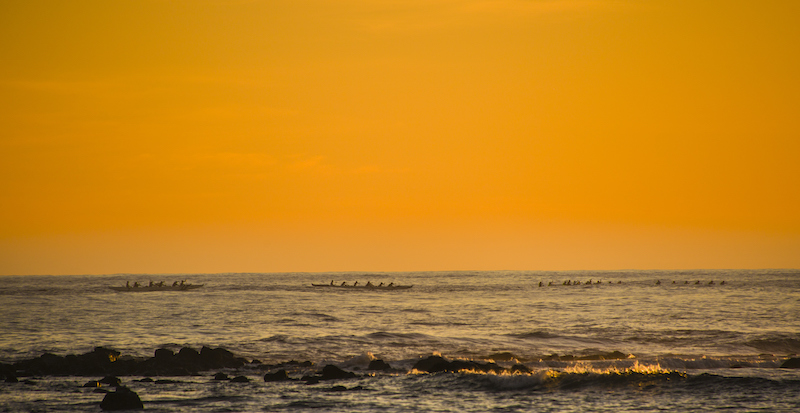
point(329, 372)
point(379, 365)
point(280, 375)
point(122, 399)
point(188, 361)
point(97, 362)
point(520, 368)
point(106, 362)
point(435, 364)
point(240, 379)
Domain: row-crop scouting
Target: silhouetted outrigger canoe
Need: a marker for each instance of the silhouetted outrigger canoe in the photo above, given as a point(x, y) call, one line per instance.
point(365, 287)
point(145, 288)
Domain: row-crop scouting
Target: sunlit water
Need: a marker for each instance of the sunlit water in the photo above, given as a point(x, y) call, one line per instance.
point(724, 342)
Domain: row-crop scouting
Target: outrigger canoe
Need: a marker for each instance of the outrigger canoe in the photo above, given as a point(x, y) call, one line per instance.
point(145, 288)
point(365, 287)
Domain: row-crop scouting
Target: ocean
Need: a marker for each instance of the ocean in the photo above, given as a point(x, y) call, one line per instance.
point(697, 340)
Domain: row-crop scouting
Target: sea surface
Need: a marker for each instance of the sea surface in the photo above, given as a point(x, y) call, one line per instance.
point(629, 341)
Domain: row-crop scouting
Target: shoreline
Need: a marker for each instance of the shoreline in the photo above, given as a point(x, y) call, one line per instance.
point(190, 362)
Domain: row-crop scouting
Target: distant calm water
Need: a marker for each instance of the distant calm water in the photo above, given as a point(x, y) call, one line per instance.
point(726, 340)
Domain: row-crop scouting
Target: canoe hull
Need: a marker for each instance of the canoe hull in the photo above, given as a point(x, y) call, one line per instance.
point(364, 287)
point(148, 288)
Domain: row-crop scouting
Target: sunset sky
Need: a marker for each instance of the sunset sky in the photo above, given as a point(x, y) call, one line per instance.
point(391, 135)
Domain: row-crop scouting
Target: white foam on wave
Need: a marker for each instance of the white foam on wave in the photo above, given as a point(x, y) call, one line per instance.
point(579, 374)
point(636, 367)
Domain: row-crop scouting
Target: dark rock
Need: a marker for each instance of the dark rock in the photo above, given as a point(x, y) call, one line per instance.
point(102, 354)
point(792, 363)
point(164, 354)
point(486, 367)
point(221, 376)
point(219, 352)
point(434, 364)
point(310, 380)
point(99, 361)
point(615, 355)
point(122, 399)
point(188, 355)
point(290, 363)
point(166, 363)
point(111, 381)
point(47, 363)
point(240, 379)
point(338, 388)
point(106, 362)
point(73, 360)
point(279, 375)
point(520, 368)
point(331, 372)
point(504, 356)
point(124, 366)
point(145, 380)
point(378, 365)
point(217, 358)
point(100, 390)
point(8, 372)
point(166, 381)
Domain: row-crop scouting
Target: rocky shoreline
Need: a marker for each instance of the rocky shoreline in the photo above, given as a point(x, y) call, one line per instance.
point(190, 362)
point(110, 364)
point(103, 362)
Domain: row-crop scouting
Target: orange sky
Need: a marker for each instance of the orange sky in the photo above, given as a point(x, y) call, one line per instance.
point(385, 135)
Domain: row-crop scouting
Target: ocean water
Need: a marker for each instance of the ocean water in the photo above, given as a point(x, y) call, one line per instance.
point(683, 344)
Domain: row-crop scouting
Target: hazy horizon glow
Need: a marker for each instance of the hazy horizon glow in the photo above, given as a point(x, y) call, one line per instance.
point(263, 136)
